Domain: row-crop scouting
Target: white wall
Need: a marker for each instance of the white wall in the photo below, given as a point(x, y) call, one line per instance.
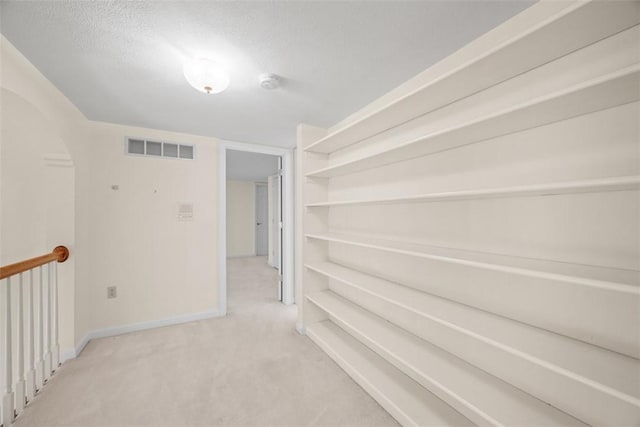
point(42, 202)
point(129, 238)
point(162, 267)
point(249, 166)
point(241, 214)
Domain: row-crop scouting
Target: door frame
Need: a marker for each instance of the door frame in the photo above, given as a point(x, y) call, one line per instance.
point(275, 216)
point(287, 242)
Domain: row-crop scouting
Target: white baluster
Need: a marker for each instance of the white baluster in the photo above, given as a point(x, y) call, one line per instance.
point(40, 326)
point(20, 384)
point(56, 346)
point(30, 375)
point(8, 413)
point(47, 295)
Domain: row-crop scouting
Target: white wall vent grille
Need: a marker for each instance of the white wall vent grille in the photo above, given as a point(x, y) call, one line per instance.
point(143, 147)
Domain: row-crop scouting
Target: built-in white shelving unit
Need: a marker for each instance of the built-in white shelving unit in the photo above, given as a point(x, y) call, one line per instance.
point(496, 59)
point(469, 245)
point(614, 89)
point(624, 183)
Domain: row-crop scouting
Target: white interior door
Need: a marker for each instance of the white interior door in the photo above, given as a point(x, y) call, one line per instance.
point(262, 214)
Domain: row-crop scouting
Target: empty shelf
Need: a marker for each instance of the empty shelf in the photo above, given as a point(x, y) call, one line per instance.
point(571, 187)
point(618, 88)
point(527, 356)
point(402, 397)
point(481, 397)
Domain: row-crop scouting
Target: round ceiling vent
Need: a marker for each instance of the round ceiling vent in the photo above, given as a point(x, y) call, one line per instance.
point(269, 81)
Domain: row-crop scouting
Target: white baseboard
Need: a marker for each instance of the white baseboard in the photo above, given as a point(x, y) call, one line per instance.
point(300, 328)
point(74, 352)
point(133, 327)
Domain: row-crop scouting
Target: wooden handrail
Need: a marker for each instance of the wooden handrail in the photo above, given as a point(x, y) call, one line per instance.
point(59, 253)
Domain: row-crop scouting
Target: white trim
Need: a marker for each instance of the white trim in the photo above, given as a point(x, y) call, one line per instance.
point(222, 230)
point(75, 352)
point(287, 251)
point(133, 327)
point(253, 148)
point(270, 228)
point(141, 326)
point(300, 328)
point(57, 160)
point(287, 217)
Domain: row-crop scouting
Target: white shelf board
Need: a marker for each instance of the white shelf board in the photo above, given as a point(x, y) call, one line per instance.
point(572, 360)
point(613, 89)
point(517, 54)
point(481, 397)
point(477, 260)
point(406, 400)
point(623, 183)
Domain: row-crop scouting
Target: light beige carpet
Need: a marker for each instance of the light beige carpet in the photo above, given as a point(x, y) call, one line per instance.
point(248, 369)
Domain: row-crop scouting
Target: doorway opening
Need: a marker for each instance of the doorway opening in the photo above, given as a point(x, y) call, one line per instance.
point(256, 214)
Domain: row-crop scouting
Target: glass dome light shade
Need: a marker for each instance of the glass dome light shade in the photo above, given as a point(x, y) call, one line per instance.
point(206, 75)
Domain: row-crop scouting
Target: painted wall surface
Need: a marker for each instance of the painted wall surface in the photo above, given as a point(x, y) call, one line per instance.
point(129, 238)
point(247, 166)
point(162, 267)
point(241, 213)
point(41, 204)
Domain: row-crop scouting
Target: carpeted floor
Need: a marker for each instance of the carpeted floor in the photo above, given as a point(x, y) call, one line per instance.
point(248, 369)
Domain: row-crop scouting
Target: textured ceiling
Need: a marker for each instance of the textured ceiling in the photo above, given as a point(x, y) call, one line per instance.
point(121, 61)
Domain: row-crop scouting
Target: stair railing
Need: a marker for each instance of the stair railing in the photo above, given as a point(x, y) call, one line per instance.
point(29, 350)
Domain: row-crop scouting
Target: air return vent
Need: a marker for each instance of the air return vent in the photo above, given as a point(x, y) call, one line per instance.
point(144, 147)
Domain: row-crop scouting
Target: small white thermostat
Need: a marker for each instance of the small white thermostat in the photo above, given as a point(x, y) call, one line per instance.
point(185, 212)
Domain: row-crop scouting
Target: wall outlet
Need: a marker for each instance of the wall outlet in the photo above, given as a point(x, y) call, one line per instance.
point(111, 292)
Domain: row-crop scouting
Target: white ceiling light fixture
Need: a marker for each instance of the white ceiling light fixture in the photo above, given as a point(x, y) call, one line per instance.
point(206, 75)
point(269, 81)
